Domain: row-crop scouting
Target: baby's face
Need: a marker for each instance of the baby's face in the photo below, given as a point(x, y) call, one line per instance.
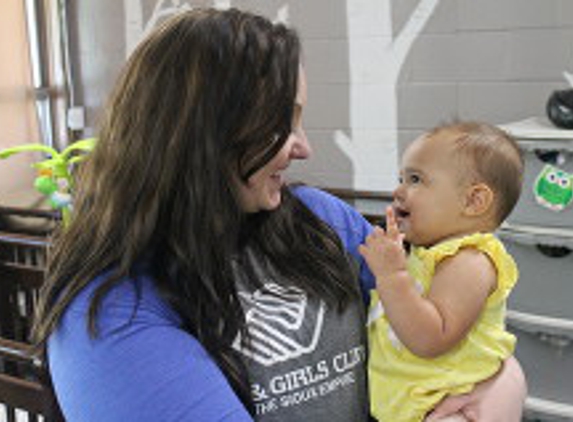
point(430, 198)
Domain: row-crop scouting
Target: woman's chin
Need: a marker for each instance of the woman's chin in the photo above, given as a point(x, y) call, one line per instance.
point(273, 202)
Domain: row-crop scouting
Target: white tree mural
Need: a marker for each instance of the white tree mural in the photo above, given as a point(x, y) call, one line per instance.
point(376, 58)
point(375, 65)
point(569, 78)
point(137, 27)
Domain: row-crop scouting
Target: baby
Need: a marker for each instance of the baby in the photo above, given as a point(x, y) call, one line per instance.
point(436, 323)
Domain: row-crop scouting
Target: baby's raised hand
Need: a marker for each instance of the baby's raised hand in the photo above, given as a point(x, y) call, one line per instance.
point(383, 250)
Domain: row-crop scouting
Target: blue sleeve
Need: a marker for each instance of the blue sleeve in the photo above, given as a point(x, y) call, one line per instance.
point(142, 367)
point(349, 224)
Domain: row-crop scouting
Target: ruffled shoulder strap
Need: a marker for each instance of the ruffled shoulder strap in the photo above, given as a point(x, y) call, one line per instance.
point(488, 244)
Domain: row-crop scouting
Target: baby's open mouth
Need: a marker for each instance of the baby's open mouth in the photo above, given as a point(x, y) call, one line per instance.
point(401, 212)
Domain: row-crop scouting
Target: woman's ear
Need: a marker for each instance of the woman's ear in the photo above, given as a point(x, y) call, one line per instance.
point(479, 199)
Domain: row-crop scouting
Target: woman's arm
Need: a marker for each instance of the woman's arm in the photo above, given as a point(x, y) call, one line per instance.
point(142, 367)
point(500, 398)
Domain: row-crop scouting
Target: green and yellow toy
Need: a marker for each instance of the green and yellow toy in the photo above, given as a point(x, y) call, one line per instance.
point(54, 173)
point(554, 188)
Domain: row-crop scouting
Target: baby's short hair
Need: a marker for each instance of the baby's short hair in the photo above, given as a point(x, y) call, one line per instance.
point(494, 158)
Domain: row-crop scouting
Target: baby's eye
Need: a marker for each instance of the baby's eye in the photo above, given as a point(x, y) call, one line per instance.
point(414, 178)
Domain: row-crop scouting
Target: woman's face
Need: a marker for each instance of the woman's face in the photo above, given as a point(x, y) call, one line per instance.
point(262, 191)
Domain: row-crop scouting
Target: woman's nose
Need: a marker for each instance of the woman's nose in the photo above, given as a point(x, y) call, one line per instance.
point(301, 148)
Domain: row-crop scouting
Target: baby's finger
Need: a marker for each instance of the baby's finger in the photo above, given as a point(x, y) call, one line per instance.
point(391, 224)
point(376, 232)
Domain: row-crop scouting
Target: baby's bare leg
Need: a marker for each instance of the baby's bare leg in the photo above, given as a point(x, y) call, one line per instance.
point(458, 417)
point(499, 398)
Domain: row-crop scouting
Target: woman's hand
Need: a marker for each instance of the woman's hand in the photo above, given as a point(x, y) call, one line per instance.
point(498, 399)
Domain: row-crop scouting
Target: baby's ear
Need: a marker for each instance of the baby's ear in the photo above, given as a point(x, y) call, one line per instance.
point(479, 199)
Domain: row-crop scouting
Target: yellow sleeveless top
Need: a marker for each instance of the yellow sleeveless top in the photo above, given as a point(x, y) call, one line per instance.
point(403, 386)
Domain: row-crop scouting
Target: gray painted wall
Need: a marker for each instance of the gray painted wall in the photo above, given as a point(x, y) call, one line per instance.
point(496, 60)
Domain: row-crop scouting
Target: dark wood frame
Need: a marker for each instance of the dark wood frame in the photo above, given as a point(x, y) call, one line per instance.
point(24, 382)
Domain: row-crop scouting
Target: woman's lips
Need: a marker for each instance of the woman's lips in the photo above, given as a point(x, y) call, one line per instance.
point(277, 178)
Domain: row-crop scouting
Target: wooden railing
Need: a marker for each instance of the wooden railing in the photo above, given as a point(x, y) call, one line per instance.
point(24, 384)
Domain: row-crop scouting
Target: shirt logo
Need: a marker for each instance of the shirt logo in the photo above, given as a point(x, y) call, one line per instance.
point(281, 324)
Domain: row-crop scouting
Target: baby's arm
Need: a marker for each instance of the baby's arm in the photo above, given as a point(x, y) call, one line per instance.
point(428, 325)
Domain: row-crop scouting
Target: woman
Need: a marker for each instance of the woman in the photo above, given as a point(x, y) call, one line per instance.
point(192, 284)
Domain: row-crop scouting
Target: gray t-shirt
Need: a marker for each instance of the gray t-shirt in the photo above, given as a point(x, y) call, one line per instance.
point(305, 359)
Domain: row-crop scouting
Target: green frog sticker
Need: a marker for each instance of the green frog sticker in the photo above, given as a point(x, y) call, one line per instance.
point(553, 188)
